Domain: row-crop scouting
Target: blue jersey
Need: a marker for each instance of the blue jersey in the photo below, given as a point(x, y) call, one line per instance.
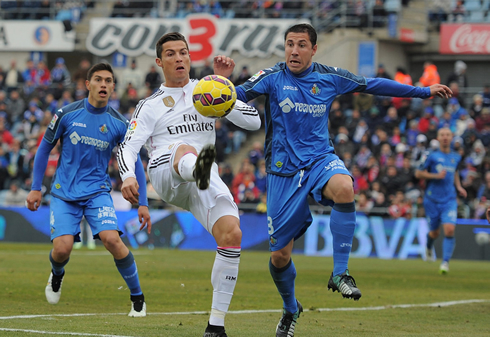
point(441, 190)
point(297, 108)
point(87, 136)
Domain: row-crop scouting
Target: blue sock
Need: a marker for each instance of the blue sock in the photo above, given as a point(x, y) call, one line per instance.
point(430, 241)
point(57, 267)
point(342, 226)
point(129, 272)
point(448, 248)
point(284, 279)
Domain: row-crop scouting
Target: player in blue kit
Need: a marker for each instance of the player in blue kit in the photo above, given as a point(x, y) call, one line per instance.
point(440, 170)
point(88, 131)
point(301, 160)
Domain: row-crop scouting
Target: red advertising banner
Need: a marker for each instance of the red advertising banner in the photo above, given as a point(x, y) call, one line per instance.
point(465, 39)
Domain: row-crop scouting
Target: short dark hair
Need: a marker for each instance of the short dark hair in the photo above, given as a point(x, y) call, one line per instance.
point(173, 36)
point(303, 28)
point(99, 67)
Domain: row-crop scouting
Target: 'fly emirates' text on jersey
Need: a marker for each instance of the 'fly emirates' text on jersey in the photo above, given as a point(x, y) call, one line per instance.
point(169, 116)
point(297, 109)
point(87, 138)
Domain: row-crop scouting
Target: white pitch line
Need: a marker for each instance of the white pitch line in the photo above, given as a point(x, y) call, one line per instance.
point(384, 307)
point(60, 333)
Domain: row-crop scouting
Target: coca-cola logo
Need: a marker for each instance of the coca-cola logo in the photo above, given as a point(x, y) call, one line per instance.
point(466, 39)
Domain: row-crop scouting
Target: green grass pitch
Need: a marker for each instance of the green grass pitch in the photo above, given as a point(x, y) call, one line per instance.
point(177, 287)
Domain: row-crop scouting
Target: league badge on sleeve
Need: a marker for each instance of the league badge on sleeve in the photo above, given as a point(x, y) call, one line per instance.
point(53, 122)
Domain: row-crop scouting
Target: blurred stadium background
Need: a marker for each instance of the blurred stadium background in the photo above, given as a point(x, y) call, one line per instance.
point(46, 48)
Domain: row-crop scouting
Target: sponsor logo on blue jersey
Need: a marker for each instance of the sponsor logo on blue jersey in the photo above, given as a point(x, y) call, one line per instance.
point(317, 110)
point(82, 125)
point(97, 143)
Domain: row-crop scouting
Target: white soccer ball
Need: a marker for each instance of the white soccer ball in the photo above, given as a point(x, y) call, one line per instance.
point(482, 238)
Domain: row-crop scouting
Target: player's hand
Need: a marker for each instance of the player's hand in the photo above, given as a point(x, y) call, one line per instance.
point(129, 190)
point(462, 192)
point(441, 175)
point(440, 90)
point(488, 214)
point(144, 216)
point(33, 200)
point(223, 65)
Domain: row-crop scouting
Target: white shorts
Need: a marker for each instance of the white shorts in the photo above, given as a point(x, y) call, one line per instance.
point(207, 206)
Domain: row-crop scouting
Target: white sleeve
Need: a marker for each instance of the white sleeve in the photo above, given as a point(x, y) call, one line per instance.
point(140, 129)
point(244, 116)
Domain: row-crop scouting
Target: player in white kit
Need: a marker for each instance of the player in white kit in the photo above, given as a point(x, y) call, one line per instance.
point(180, 143)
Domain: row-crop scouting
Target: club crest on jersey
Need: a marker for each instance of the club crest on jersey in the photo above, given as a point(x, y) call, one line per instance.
point(273, 240)
point(132, 125)
point(168, 101)
point(315, 90)
point(53, 122)
point(103, 128)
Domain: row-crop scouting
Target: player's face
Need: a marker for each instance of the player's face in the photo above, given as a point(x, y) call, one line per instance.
point(100, 88)
point(175, 63)
point(299, 52)
point(445, 136)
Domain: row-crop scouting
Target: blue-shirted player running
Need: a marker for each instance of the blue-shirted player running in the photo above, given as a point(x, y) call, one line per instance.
point(88, 131)
point(440, 170)
point(301, 160)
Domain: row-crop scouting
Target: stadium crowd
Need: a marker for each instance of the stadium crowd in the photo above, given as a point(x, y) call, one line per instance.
point(382, 140)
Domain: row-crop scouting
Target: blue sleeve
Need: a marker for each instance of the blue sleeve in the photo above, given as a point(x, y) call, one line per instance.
point(240, 94)
point(40, 164)
point(141, 179)
point(385, 87)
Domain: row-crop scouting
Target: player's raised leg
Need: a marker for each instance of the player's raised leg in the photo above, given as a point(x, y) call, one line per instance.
point(342, 224)
point(228, 236)
point(195, 167)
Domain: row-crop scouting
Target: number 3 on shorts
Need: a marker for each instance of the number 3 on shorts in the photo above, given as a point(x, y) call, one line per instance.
point(269, 225)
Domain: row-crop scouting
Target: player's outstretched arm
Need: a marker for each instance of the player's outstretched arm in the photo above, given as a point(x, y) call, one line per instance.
point(419, 174)
point(440, 90)
point(244, 116)
point(223, 65)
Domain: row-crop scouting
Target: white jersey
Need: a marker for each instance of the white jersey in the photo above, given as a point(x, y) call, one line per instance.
point(169, 116)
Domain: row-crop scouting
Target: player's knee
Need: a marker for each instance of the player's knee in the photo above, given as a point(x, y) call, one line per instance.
point(110, 241)
point(232, 236)
point(344, 193)
point(60, 254)
point(280, 258)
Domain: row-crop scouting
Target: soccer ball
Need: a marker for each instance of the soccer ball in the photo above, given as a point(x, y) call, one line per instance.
point(214, 96)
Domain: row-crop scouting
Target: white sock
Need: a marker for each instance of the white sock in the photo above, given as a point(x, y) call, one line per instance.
point(223, 279)
point(186, 166)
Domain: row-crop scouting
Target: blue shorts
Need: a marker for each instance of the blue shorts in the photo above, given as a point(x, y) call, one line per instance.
point(288, 212)
point(65, 216)
point(440, 212)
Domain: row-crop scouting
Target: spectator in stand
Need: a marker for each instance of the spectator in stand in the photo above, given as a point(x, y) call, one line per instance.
point(447, 121)
point(5, 135)
point(391, 181)
point(362, 157)
point(15, 156)
point(372, 170)
point(60, 74)
point(43, 75)
point(380, 203)
point(352, 123)
point(256, 153)
point(391, 120)
point(82, 71)
point(336, 118)
point(261, 176)
point(483, 119)
point(223, 143)
point(153, 79)
point(360, 182)
point(486, 95)
point(81, 91)
point(400, 207)
point(379, 14)
point(406, 173)
point(364, 103)
point(134, 76)
point(476, 106)
point(458, 75)
point(65, 99)
point(50, 104)
point(430, 75)
point(462, 123)
point(373, 119)
point(385, 153)
point(382, 72)
point(412, 133)
point(207, 69)
point(343, 145)
point(30, 124)
point(29, 75)
point(458, 11)
point(13, 77)
point(470, 135)
point(477, 154)
point(427, 117)
point(401, 76)
point(226, 175)
point(363, 204)
point(15, 196)
point(243, 180)
point(243, 76)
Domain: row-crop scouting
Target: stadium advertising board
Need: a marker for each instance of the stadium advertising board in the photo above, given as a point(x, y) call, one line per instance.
point(375, 237)
point(464, 39)
point(207, 36)
point(42, 35)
